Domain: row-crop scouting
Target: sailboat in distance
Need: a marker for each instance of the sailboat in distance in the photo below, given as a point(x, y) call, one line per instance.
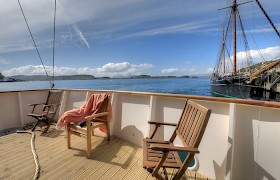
point(242, 77)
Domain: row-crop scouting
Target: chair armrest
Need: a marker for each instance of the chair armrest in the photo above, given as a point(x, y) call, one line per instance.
point(89, 118)
point(162, 123)
point(35, 104)
point(50, 105)
point(170, 147)
point(158, 124)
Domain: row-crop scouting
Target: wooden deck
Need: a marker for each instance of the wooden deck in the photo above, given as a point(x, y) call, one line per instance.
point(116, 160)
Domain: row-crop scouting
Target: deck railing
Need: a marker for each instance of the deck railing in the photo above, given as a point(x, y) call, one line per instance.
point(241, 140)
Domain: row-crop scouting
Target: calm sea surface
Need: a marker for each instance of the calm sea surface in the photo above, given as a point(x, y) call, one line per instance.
point(189, 86)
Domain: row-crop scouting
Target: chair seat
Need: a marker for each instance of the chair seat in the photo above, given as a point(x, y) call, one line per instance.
point(151, 158)
point(37, 114)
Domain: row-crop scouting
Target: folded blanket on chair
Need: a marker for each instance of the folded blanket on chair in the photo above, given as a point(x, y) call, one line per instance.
point(77, 115)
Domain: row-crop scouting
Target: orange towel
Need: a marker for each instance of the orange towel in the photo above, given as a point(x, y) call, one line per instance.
point(77, 115)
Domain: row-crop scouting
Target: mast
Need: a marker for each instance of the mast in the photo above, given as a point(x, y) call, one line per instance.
point(234, 10)
point(223, 55)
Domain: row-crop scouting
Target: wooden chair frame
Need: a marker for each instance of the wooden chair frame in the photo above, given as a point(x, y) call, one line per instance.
point(92, 122)
point(164, 154)
point(49, 111)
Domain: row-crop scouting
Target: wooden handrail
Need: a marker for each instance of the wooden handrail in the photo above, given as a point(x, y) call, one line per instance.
point(271, 104)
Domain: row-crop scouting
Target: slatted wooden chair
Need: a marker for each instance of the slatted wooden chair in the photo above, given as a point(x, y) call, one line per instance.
point(163, 154)
point(48, 110)
point(93, 121)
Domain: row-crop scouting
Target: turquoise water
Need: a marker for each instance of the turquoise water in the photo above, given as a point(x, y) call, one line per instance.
point(195, 86)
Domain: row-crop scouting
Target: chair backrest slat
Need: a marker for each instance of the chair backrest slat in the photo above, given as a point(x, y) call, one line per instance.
point(104, 106)
point(192, 124)
point(195, 131)
point(54, 97)
point(187, 132)
point(182, 124)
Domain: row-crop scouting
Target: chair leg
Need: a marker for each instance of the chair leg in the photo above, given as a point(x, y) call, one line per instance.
point(92, 131)
point(108, 131)
point(89, 139)
point(156, 169)
point(149, 169)
point(68, 136)
point(35, 125)
point(165, 173)
point(48, 126)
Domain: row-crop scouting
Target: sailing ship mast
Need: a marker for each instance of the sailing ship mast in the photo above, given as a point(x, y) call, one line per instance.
point(256, 81)
point(234, 10)
point(234, 15)
point(234, 19)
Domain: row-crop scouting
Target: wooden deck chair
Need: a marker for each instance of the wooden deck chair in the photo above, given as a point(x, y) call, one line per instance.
point(93, 121)
point(163, 154)
point(49, 109)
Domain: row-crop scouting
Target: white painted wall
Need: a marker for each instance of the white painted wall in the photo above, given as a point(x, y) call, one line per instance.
point(131, 116)
point(14, 107)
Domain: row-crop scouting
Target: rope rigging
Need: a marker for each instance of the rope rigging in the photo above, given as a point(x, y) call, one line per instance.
point(36, 160)
point(268, 18)
point(36, 47)
point(54, 21)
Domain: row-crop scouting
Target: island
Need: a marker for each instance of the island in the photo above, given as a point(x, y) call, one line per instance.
point(17, 78)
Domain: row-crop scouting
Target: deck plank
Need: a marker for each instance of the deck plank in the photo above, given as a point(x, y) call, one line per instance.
point(117, 159)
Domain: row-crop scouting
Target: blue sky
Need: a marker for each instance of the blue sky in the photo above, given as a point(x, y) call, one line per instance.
point(124, 37)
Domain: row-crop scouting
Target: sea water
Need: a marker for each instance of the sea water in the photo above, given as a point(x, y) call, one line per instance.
point(189, 86)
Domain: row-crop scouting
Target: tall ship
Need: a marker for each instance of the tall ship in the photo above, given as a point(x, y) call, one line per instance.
point(240, 74)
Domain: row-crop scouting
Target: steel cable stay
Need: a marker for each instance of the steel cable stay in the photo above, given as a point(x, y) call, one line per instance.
point(268, 18)
point(51, 81)
point(35, 155)
point(54, 25)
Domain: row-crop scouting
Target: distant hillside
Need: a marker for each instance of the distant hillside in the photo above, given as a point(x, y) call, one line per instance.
point(1, 76)
point(87, 77)
point(44, 78)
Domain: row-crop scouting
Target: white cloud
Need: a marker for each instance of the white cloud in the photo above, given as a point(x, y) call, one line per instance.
point(193, 68)
point(98, 19)
point(110, 20)
point(268, 53)
point(186, 71)
point(110, 69)
point(170, 71)
point(209, 70)
point(201, 26)
point(261, 55)
point(81, 36)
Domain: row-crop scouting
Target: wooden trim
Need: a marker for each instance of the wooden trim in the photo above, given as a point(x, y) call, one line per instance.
point(180, 96)
point(203, 98)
